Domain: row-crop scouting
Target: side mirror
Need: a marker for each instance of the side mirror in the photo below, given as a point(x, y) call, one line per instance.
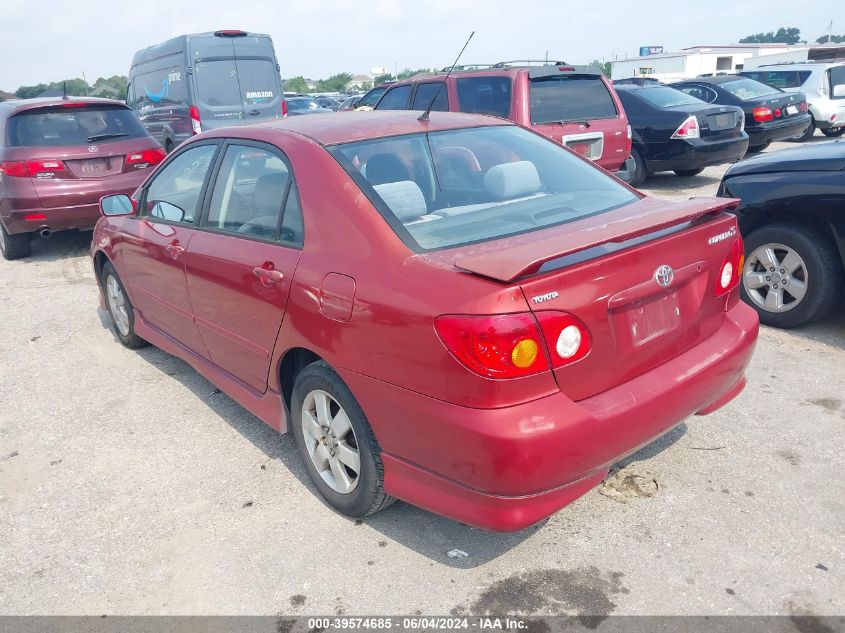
point(839, 90)
point(111, 206)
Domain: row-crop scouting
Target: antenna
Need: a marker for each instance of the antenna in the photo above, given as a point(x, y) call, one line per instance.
point(64, 90)
point(424, 116)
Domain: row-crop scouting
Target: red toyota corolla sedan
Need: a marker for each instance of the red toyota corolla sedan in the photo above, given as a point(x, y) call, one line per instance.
point(459, 313)
point(58, 157)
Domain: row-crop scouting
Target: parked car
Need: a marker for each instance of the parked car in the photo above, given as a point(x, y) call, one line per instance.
point(673, 131)
point(349, 103)
point(368, 100)
point(637, 81)
point(770, 114)
point(304, 105)
point(201, 82)
point(574, 105)
point(457, 312)
point(792, 217)
point(326, 102)
point(58, 157)
point(823, 83)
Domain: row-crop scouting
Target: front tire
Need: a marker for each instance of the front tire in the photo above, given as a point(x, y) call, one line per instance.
point(14, 246)
point(688, 173)
point(336, 443)
point(792, 274)
point(635, 169)
point(120, 309)
point(834, 132)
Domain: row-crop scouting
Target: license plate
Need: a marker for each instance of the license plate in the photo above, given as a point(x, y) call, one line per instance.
point(792, 109)
point(654, 318)
point(723, 121)
point(95, 166)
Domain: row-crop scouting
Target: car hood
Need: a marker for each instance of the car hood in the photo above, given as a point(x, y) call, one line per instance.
point(827, 156)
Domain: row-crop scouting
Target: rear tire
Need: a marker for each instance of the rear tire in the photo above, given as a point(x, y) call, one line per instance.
point(835, 132)
point(814, 273)
point(754, 149)
point(330, 411)
point(807, 134)
point(14, 246)
point(688, 173)
point(635, 170)
point(120, 309)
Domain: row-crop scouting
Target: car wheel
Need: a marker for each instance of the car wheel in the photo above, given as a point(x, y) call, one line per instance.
point(807, 134)
point(120, 309)
point(635, 169)
point(336, 443)
point(834, 132)
point(688, 173)
point(753, 149)
point(792, 274)
point(14, 246)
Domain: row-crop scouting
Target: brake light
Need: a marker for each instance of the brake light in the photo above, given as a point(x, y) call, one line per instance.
point(145, 158)
point(566, 69)
point(688, 129)
point(495, 346)
point(777, 113)
point(568, 338)
point(44, 168)
point(629, 142)
point(284, 108)
point(230, 33)
point(762, 114)
point(730, 270)
point(802, 106)
point(17, 169)
point(196, 122)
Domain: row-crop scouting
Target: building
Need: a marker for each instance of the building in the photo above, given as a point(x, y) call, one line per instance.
point(359, 81)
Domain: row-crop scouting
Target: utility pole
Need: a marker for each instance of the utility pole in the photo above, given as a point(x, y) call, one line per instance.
point(830, 32)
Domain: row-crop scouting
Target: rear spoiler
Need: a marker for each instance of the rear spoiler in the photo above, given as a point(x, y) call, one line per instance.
point(521, 255)
point(537, 72)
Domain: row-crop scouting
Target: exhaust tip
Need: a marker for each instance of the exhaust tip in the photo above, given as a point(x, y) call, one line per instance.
point(45, 233)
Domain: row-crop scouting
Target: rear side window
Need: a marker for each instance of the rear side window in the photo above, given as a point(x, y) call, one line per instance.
point(570, 98)
point(395, 98)
point(837, 78)
point(779, 78)
point(73, 125)
point(426, 92)
point(702, 93)
point(485, 95)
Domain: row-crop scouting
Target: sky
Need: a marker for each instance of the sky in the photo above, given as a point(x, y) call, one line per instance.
point(56, 40)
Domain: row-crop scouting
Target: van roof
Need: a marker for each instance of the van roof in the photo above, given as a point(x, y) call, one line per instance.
point(176, 45)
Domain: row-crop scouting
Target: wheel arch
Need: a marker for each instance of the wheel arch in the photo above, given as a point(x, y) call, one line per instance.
point(754, 219)
point(293, 361)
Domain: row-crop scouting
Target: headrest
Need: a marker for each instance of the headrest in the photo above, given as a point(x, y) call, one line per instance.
point(512, 180)
point(269, 190)
point(404, 198)
point(383, 168)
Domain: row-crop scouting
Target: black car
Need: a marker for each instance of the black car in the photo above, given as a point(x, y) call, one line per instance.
point(770, 114)
point(792, 218)
point(672, 131)
point(637, 81)
point(304, 105)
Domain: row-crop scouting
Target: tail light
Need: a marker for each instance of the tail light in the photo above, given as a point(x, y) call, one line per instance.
point(730, 270)
point(45, 168)
point(567, 338)
point(762, 114)
point(16, 169)
point(284, 108)
point(688, 129)
point(629, 142)
point(196, 122)
point(145, 158)
point(802, 106)
point(777, 113)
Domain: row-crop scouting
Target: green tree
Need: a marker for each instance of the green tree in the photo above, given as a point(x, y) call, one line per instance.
point(834, 39)
point(113, 87)
point(407, 73)
point(28, 92)
point(603, 66)
point(784, 35)
point(296, 84)
point(366, 85)
point(380, 79)
point(335, 83)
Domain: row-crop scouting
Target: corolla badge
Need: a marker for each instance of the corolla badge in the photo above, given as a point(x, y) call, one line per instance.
point(664, 276)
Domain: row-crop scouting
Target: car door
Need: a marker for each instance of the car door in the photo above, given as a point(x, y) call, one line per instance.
point(241, 262)
point(154, 246)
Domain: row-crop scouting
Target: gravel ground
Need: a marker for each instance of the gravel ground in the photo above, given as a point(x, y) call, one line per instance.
point(129, 485)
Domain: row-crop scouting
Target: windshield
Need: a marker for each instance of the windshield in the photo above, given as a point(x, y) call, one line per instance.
point(747, 89)
point(463, 186)
point(663, 97)
point(570, 98)
point(64, 126)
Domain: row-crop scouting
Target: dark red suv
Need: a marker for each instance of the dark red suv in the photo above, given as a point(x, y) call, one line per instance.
point(58, 157)
point(574, 105)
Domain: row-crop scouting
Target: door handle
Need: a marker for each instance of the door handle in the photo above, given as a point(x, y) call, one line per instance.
point(268, 275)
point(175, 249)
point(254, 112)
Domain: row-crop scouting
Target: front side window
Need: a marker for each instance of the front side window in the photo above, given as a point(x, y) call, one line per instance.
point(250, 193)
point(395, 98)
point(457, 187)
point(174, 193)
point(485, 95)
point(73, 125)
point(748, 89)
point(837, 78)
point(570, 98)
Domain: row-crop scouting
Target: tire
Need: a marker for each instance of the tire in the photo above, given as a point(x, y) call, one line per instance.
point(819, 275)
point(807, 134)
point(357, 496)
point(14, 246)
point(122, 316)
point(688, 173)
point(754, 149)
point(835, 132)
point(635, 169)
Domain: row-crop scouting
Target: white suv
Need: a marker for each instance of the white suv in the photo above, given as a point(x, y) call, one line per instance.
point(822, 82)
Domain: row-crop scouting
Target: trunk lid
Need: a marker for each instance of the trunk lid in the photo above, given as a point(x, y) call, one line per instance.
point(606, 276)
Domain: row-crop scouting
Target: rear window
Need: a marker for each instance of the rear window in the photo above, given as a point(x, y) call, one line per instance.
point(458, 187)
point(257, 80)
point(779, 78)
point(217, 83)
point(66, 126)
point(485, 95)
point(747, 89)
point(667, 97)
point(570, 98)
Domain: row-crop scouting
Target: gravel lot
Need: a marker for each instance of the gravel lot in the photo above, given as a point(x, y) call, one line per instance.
point(129, 485)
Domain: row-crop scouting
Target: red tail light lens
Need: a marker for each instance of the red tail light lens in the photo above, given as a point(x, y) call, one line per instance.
point(44, 168)
point(777, 113)
point(803, 106)
point(284, 108)
point(496, 346)
point(145, 158)
point(729, 272)
point(568, 338)
point(762, 114)
point(196, 122)
point(688, 129)
point(629, 143)
point(16, 169)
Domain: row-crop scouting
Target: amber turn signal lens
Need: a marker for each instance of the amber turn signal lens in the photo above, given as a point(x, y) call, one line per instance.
point(524, 353)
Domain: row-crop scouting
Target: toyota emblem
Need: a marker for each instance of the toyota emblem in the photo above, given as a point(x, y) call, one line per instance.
point(93, 149)
point(664, 276)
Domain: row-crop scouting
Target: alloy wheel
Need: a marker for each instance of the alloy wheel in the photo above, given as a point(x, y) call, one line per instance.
point(331, 441)
point(775, 278)
point(117, 305)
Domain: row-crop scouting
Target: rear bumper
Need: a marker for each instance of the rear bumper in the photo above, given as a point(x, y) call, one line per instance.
point(694, 154)
point(829, 113)
point(77, 217)
point(506, 469)
point(765, 133)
